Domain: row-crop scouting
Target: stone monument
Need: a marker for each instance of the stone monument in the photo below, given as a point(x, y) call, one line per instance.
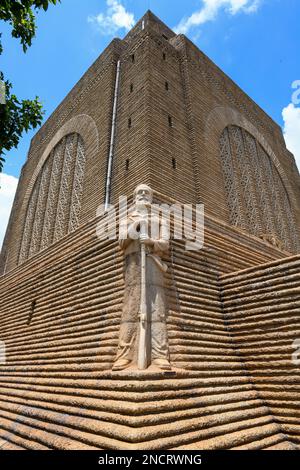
point(139, 343)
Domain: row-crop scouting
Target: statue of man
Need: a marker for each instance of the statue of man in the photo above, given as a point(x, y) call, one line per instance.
point(156, 338)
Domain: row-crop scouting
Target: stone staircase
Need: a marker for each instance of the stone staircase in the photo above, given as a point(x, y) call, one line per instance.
point(130, 410)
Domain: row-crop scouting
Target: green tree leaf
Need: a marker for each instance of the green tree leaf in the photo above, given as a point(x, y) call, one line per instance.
point(19, 116)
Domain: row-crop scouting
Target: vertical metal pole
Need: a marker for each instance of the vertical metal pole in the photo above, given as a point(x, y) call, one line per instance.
point(142, 351)
point(112, 137)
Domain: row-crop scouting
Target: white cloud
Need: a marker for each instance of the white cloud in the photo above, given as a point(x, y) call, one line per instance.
point(7, 193)
point(291, 130)
point(210, 10)
point(116, 17)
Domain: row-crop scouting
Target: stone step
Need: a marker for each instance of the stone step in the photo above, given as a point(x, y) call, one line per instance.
point(9, 437)
point(228, 437)
point(264, 443)
point(131, 404)
point(60, 431)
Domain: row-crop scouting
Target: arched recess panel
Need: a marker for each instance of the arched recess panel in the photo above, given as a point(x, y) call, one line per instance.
point(54, 205)
point(256, 195)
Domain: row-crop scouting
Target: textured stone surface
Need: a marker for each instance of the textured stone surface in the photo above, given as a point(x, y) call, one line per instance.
point(262, 309)
point(232, 307)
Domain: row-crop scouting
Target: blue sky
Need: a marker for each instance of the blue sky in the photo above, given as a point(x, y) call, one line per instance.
point(256, 42)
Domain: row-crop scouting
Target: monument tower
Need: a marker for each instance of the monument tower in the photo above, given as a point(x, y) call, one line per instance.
point(153, 119)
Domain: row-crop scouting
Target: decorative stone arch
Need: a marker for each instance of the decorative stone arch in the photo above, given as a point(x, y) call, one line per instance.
point(260, 199)
point(221, 117)
point(83, 125)
point(52, 202)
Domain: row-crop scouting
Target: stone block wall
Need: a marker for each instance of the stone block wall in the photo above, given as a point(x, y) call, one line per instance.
point(261, 306)
point(60, 317)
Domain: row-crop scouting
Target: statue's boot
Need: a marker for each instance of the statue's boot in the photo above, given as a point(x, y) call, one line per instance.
point(162, 364)
point(121, 364)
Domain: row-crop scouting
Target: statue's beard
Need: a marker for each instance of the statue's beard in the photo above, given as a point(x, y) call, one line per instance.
point(143, 203)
